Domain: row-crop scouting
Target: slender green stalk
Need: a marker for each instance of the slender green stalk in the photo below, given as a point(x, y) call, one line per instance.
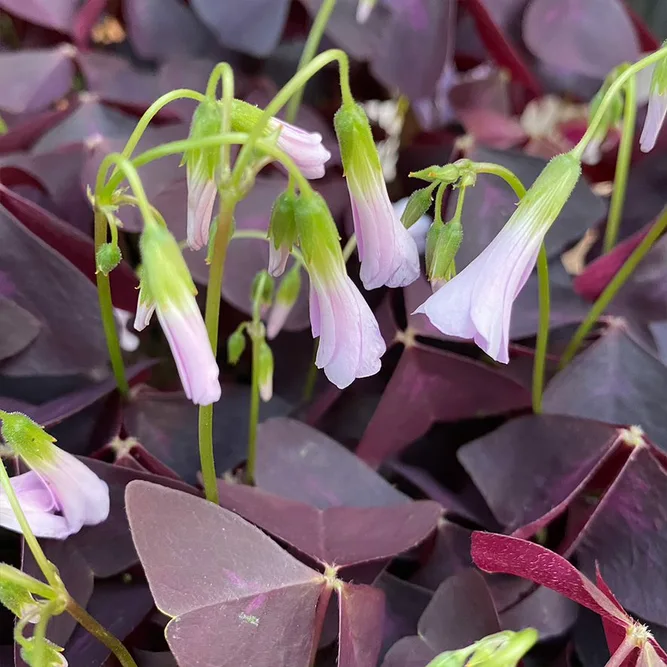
point(223, 72)
point(309, 50)
point(613, 287)
point(100, 633)
point(542, 340)
point(220, 244)
point(39, 636)
point(106, 312)
point(439, 196)
point(11, 574)
point(261, 236)
point(622, 165)
point(542, 330)
point(350, 247)
point(251, 462)
point(38, 554)
point(614, 90)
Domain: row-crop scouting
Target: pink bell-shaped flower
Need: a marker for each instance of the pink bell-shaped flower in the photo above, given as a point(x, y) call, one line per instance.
point(477, 302)
point(387, 251)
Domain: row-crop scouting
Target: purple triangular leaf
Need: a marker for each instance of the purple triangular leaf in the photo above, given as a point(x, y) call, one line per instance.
point(342, 536)
point(430, 386)
point(361, 616)
point(54, 14)
point(409, 652)
point(330, 475)
point(235, 595)
point(19, 328)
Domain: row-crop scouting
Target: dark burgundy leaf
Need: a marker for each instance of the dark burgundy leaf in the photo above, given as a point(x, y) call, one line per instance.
point(361, 617)
point(489, 205)
point(409, 652)
point(55, 14)
point(71, 244)
point(343, 536)
point(237, 597)
point(616, 381)
point(22, 134)
point(510, 555)
point(526, 486)
point(624, 534)
point(19, 328)
point(329, 475)
point(163, 29)
point(575, 36)
point(252, 27)
point(85, 19)
point(32, 79)
point(430, 386)
point(71, 340)
point(166, 424)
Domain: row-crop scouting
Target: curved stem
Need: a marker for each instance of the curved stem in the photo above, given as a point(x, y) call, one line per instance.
point(613, 90)
point(225, 72)
point(313, 41)
point(106, 312)
point(38, 554)
point(613, 287)
point(39, 636)
point(439, 196)
point(542, 330)
point(284, 95)
point(220, 244)
point(100, 633)
point(622, 165)
point(350, 247)
point(503, 172)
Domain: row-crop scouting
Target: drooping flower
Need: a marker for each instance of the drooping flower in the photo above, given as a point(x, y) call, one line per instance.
point(657, 107)
point(286, 296)
point(202, 166)
point(477, 302)
point(305, 148)
point(387, 251)
point(60, 494)
point(168, 289)
point(282, 232)
point(350, 344)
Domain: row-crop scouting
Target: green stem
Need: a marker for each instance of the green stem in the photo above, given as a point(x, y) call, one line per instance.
point(225, 73)
point(543, 329)
point(283, 97)
point(439, 196)
point(622, 165)
point(613, 287)
point(100, 633)
point(23, 580)
point(40, 558)
point(309, 50)
point(350, 247)
point(614, 89)
point(39, 636)
point(106, 312)
point(503, 172)
point(261, 236)
point(220, 244)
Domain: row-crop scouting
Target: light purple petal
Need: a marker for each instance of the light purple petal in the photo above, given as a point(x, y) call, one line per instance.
point(305, 148)
point(655, 117)
point(186, 333)
point(277, 259)
point(277, 318)
point(143, 315)
point(201, 198)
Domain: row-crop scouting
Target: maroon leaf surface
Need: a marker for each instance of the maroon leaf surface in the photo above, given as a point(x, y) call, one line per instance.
point(236, 597)
point(341, 536)
point(19, 328)
point(55, 14)
point(361, 616)
point(430, 386)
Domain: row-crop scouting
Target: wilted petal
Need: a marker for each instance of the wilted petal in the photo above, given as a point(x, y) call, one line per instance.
point(201, 197)
point(655, 117)
point(305, 148)
point(143, 315)
point(186, 333)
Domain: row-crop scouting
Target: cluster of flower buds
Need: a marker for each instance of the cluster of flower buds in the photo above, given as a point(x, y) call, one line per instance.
point(59, 494)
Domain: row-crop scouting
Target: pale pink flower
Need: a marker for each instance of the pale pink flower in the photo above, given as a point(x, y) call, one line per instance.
point(350, 343)
point(477, 303)
point(201, 198)
point(59, 496)
point(278, 259)
point(655, 117)
point(305, 148)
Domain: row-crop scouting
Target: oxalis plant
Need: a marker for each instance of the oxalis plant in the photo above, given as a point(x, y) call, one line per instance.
point(277, 562)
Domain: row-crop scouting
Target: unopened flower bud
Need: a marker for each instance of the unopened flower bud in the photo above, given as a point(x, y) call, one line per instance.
point(265, 370)
point(286, 296)
point(262, 289)
point(657, 106)
point(388, 253)
point(236, 344)
point(282, 232)
point(418, 204)
point(108, 258)
point(202, 172)
point(447, 174)
point(442, 243)
point(612, 116)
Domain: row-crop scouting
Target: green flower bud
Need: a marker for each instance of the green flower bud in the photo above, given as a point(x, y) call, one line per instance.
point(108, 258)
point(26, 438)
point(236, 344)
point(442, 243)
point(286, 296)
point(282, 232)
point(419, 203)
point(262, 289)
point(447, 174)
point(206, 122)
point(265, 370)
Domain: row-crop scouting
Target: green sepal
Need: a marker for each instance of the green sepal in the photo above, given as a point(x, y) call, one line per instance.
point(355, 138)
point(447, 174)
point(289, 287)
point(262, 289)
point(659, 76)
point(442, 243)
point(206, 122)
point(108, 257)
point(418, 204)
point(52, 653)
point(18, 599)
point(27, 438)
point(282, 226)
point(265, 369)
point(236, 344)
